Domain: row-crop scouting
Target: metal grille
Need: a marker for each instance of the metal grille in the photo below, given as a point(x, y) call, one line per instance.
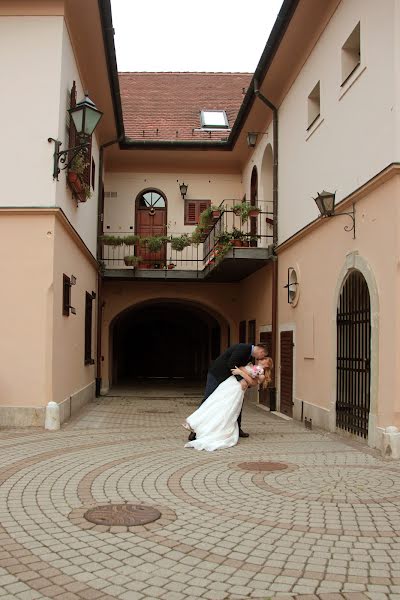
point(353, 356)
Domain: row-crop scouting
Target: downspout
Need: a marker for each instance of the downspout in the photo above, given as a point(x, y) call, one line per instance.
point(100, 306)
point(274, 349)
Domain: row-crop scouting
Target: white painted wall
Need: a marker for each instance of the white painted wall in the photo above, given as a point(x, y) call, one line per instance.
point(355, 136)
point(30, 58)
point(83, 216)
point(119, 212)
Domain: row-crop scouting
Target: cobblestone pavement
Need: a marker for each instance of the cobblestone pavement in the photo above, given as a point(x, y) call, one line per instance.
point(325, 526)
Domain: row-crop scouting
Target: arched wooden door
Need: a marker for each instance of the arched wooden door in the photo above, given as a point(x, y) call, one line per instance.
point(253, 202)
point(353, 356)
point(151, 221)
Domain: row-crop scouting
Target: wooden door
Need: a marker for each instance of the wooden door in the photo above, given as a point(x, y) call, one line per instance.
point(286, 391)
point(151, 221)
point(264, 394)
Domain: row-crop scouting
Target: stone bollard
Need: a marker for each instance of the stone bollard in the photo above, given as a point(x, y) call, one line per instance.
point(52, 420)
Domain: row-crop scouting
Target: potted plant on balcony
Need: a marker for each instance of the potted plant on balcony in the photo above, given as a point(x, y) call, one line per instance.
point(198, 235)
point(171, 266)
point(132, 261)
point(154, 243)
point(216, 212)
point(244, 210)
point(130, 240)
point(111, 240)
point(80, 189)
point(180, 243)
point(237, 237)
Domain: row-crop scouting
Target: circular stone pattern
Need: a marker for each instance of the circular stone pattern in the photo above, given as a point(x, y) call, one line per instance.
point(262, 466)
point(122, 514)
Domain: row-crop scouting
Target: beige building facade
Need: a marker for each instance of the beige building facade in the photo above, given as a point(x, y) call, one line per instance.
point(324, 105)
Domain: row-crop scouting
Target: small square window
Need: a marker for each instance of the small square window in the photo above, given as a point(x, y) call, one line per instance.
point(351, 53)
point(214, 119)
point(314, 105)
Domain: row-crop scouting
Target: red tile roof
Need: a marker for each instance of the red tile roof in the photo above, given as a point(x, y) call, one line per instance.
point(166, 106)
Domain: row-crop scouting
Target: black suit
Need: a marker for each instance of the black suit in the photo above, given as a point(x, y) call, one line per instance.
point(237, 355)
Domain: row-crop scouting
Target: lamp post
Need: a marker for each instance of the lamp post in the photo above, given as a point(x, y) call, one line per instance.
point(85, 117)
point(326, 206)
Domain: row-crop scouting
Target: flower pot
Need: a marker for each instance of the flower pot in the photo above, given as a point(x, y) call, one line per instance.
point(171, 266)
point(75, 183)
point(216, 214)
point(254, 213)
point(245, 244)
point(237, 243)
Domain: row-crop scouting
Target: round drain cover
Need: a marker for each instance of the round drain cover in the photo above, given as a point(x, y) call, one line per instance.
point(262, 466)
point(122, 514)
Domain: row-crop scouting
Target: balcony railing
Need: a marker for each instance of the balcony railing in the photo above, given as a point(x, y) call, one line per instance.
point(228, 230)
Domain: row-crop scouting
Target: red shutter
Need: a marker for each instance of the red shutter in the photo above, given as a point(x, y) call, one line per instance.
point(203, 204)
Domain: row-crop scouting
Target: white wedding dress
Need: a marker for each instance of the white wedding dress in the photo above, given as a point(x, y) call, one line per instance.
point(215, 421)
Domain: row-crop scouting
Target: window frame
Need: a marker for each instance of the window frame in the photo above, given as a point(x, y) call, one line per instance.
point(205, 125)
point(312, 119)
point(344, 49)
point(198, 204)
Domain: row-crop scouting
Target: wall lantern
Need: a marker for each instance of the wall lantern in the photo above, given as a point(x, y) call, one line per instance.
point(291, 286)
point(326, 206)
point(183, 187)
point(85, 117)
point(252, 137)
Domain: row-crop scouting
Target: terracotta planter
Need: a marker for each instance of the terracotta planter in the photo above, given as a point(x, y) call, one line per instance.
point(254, 213)
point(237, 243)
point(171, 266)
point(76, 186)
point(245, 244)
point(216, 214)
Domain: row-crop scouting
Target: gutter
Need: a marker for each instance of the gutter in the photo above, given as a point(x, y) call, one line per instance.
point(100, 303)
point(275, 140)
point(278, 31)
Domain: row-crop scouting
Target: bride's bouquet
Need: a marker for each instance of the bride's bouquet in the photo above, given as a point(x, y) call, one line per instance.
point(255, 371)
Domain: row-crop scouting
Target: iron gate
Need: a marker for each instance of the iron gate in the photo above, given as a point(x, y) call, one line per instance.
point(353, 356)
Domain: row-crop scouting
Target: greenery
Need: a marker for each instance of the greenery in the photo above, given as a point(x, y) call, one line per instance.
point(243, 210)
point(198, 235)
point(181, 242)
point(79, 164)
point(236, 234)
point(102, 266)
point(132, 261)
point(153, 243)
point(130, 240)
point(111, 240)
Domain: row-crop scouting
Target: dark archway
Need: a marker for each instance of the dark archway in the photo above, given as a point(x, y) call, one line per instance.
point(163, 339)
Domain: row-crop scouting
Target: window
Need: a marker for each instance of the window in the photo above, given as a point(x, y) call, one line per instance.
point(66, 295)
point(214, 119)
point(351, 53)
point(88, 327)
point(314, 105)
point(242, 332)
point(151, 199)
point(252, 332)
point(193, 209)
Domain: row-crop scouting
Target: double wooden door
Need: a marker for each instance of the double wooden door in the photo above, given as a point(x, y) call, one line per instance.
point(151, 221)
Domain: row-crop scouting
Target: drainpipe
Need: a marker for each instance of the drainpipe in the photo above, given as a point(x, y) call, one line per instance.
point(274, 109)
point(100, 305)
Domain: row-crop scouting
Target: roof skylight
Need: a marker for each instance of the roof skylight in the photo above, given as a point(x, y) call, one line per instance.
point(214, 119)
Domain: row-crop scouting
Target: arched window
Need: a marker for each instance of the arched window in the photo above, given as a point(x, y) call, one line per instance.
point(151, 199)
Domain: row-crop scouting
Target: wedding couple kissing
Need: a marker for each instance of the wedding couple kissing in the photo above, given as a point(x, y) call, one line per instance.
point(217, 422)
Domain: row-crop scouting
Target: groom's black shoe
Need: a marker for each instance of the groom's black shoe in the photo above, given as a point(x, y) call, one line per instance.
point(243, 433)
point(192, 436)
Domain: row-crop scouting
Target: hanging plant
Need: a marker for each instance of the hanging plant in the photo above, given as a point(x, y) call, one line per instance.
point(181, 242)
point(154, 243)
point(111, 240)
point(75, 177)
point(130, 240)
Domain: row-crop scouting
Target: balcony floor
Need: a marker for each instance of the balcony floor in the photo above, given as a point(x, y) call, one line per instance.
point(236, 265)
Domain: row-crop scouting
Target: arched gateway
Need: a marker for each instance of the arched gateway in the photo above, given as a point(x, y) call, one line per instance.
point(163, 339)
point(353, 356)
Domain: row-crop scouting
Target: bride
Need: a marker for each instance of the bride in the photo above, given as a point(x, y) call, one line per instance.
point(215, 421)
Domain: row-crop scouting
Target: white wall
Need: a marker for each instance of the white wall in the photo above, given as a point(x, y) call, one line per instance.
point(83, 216)
point(354, 138)
point(119, 212)
point(30, 58)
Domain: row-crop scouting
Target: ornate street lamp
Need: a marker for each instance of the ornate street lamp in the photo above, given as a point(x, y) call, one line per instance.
point(183, 187)
point(326, 206)
point(85, 117)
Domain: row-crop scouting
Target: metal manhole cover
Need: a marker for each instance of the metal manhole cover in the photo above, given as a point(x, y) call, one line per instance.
point(262, 466)
point(122, 514)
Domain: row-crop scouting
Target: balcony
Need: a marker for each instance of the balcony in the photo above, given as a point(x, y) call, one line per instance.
point(233, 246)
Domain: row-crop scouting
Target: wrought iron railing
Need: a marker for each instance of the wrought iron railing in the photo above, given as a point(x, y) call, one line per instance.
point(228, 229)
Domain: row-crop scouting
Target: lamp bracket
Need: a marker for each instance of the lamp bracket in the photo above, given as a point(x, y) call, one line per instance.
point(352, 216)
point(60, 156)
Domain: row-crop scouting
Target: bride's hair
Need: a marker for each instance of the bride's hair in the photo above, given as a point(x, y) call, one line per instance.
point(267, 372)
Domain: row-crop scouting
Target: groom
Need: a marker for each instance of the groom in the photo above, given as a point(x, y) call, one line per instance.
point(238, 355)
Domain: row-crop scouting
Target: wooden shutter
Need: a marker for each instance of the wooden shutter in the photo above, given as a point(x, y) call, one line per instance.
point(193, 208)
point(88, 328)
point(252, 332)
